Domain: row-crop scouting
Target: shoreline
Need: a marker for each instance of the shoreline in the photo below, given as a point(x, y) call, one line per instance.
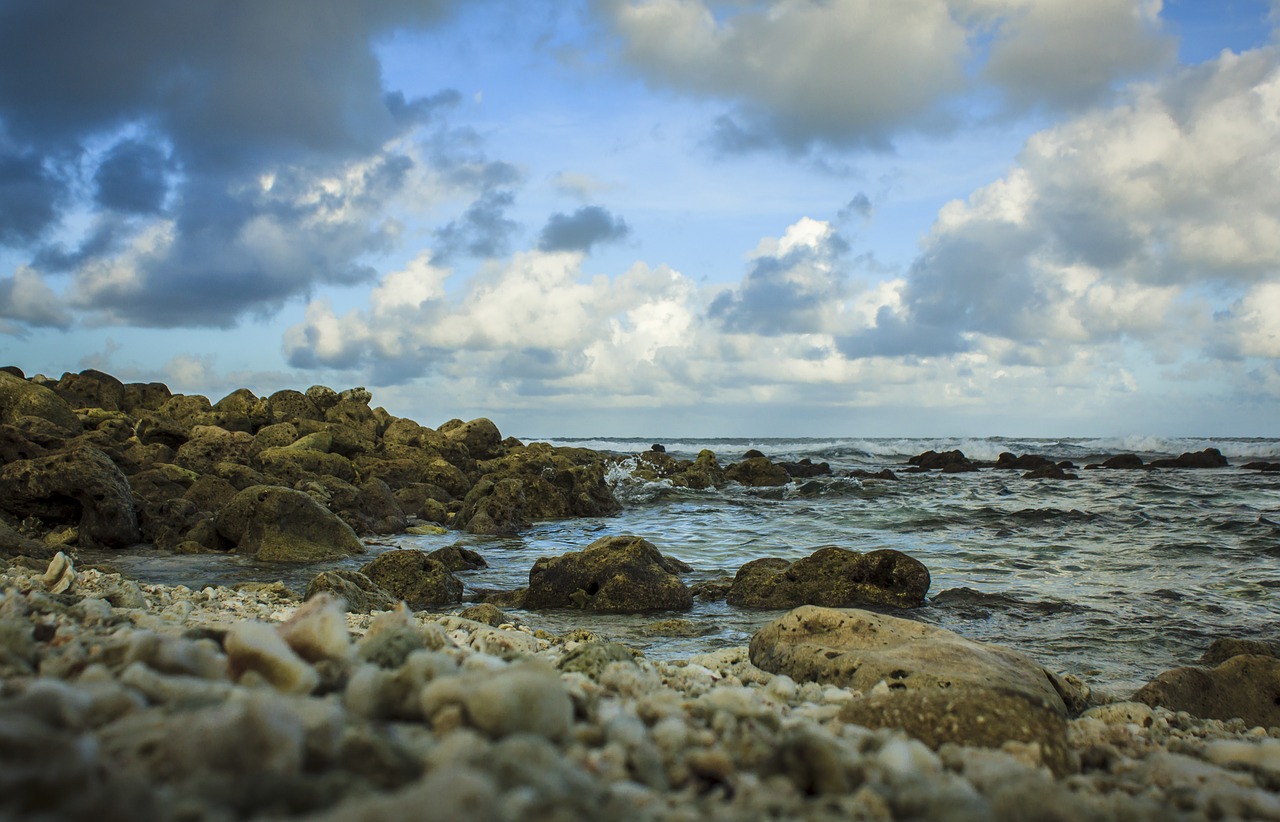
point(158, 708)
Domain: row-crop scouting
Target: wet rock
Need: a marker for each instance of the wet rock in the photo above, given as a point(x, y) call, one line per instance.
point(860, 649)
point(1050, 471)
point(1123, 462)
point(412, 576)
point(280, 524)
point(361, 594)
point(757, 472)
point(621, 574)
point(480, 436)
point(1222, 649)
point(486, 613)
point(78, 486)
point(806, 468)
point(458, 558)
point(949, 462)
point(1245, 686)
point(1208, 458)
point(494, 508)
point(834, 577)
point(1027, 462)
point(977, 717)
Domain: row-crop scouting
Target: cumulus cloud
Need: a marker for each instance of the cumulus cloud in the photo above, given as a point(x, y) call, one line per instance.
point(1115, 224)
point(26, 298)
point(584, 228)
point(796, 73)
point(483, 230)
point(228, 158)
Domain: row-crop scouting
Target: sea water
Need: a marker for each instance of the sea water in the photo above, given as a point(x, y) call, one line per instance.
point(1113, 577)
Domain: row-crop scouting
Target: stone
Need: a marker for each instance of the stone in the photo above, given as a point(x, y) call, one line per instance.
point(1123, 462)
point(416, 579)
point(757, 472)
point(859, 649)
point(480, 436)
point(20, 398)
point(1208, 458)
point(79, 486)
point(950, 462)
point(259, 647)
point(1223, 648)
point(485, 613)
point(620, 574)
point(458, 558)
point(60, 576)
point(91, 389)
point(13, 543)
point(283, 525)
point(834, 577)
point(317, 630)
point(290, 465)
point(978, 717)
point(525, 697)
point(494, 508)
point(361, 594)
point(1246, 686)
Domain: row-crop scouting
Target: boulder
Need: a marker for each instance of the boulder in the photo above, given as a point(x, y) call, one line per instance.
point(16, 445)
point(1223, 648)
point(361, 594)
point(757, 472)
point(289, 465)
point(1050, 471)
point(950, 462)
point(494, 508)
point(480, 436)
point(151, 428)
point(280, 524)
point(458, 558)
point(1208, 458)
point(415, 578)
point(91, 389)
point(1026, 462)
point(145, 396)
point(19, 398)
point(13, 544)
point(977, 717)
point(243, 406)
point(1245, 686)
point(834, 577)
point(704, 472)
point(860, 649)
point(78, 486)
point(290, 406)
point(210, 445)
point(1123, 462)
point(806, 469)
point(620, 574)
point(191, 410)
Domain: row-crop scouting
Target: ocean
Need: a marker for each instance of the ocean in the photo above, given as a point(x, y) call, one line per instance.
point(1114, 577)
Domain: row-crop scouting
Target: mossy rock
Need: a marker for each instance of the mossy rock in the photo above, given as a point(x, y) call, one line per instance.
point(280, 524)
point(833, 577)
point(621, 574)
point(414, 577)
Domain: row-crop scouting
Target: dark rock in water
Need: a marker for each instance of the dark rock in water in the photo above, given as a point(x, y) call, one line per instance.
point(494, 508)
point(805, 469)
point(950, 462)
point(1208, 458)
point(414, 577)
point(1050, 471)
point(1245, 686)
point(712, 590)
point(1262, 466)
point(661, 449)
point(621, 574)
point(280, 524)
point(978, 717)
point(458, 558)
point(1224, 648)
point(79, 486)
point(752, 454)
point(859, 649)
point(361, 594)
point(1123, 462)
point(757, 472)
point(704, 472)
point(833, 577)
point(1026, 462)
point(883, 474)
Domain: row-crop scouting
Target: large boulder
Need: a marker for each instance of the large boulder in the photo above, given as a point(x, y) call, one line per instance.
point(1245, 686)
point(91, 389)
point(360, 594)
point(290, 465)
point(19, 398)
point(78, 486)
point(950, 462)
point(280, 524)
point(757, 472)
point(1208, 458)
point(834, 577)
point(210, 445)
point(417, 579)
point(621, 574)
point(860, 649)
point(480, 436)
point(494, 508)
point(290, 406)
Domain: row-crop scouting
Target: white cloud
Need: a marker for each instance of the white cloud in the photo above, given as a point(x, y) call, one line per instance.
point(27, 299)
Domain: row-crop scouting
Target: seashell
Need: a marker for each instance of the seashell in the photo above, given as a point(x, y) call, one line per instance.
point(60, 576)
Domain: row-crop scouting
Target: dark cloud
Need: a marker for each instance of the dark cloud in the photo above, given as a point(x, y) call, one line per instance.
point(483, 230)
point(859, 207)
point(457, 155)
point(30, 196)
point(792, 292)
point(422, 109)
point(131, 178)
point(28, 300)
point(582, 229)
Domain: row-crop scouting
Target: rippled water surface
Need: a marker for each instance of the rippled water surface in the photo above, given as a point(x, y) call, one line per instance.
point(1113, 577)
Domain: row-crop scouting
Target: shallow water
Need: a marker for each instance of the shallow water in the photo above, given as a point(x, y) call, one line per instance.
point(1114, 577)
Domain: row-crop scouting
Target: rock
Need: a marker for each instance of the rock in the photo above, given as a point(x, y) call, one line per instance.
point(950, 462)
point(833, 577)
point(494, 508)
point(280, 524)
point(210, 445)
point(152, 428)
point(526, 697)
point(621, 574)
point(859, 649)
point(1222, 649)
point(1123, 462)
point(805, 469)
point(317, 631)
point(13, 543)
point(290, 406)
point(19, 398)
point(757, 472)
point(60, 576)
point(412, 576)
point(361, 594)
point(77, 486)
point(1050, 471)
point(458, 558)
point(145, 396)
point(486, 613)
point(290, 465)
point(1208, 458)
point(1245, 686)
point(977, 717)
point(1026, 462)
point(259, 648)
point(591, 658)
point(480, 436)
point(91, 389)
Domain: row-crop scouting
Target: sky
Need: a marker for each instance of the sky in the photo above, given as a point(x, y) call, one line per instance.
point(666, 218)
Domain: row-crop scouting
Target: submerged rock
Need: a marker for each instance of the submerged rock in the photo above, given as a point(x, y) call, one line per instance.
point(621, 574)
point(834, 577)
point(757, 472)
point(860, 649)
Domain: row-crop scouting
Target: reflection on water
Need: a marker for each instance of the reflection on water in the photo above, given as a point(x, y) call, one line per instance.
point(1114, 577)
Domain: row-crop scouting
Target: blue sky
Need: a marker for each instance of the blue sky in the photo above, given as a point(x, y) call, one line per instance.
point(658, 217)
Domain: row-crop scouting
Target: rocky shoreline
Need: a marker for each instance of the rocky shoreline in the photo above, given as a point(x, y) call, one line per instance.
point(374, 693)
